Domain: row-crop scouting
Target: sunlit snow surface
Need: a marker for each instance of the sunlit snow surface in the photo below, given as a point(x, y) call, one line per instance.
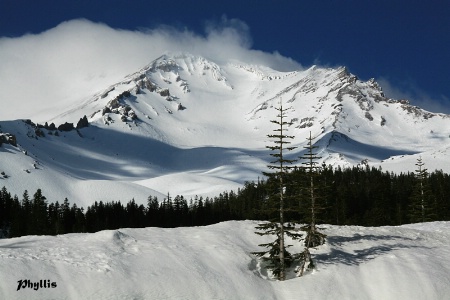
point(214, 262)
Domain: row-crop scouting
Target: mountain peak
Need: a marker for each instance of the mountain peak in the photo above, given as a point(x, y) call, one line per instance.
point(188, 125)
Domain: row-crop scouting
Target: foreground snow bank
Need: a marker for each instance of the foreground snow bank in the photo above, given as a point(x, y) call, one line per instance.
point(214, 262)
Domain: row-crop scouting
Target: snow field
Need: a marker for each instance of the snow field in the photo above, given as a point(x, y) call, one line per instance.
point(218, 141)
point(215, 262)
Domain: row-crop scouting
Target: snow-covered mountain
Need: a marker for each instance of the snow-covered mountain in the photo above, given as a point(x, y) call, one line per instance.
point(186, 125)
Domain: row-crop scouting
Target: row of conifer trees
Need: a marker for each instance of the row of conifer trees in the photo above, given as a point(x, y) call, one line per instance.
point(353, 196)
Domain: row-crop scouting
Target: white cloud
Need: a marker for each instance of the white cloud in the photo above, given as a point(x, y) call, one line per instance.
point(415, 95)
point(78, 58)
point(230, 30)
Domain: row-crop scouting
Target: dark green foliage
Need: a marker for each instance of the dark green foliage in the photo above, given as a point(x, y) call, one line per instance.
point(439, 185)
point(314, 237)
point(313, 193)
point(6, 210)
point(39, 221)
point(354, 196)
point(36, 216)
point(275, 204)
point(272, 255)
point(421, 204)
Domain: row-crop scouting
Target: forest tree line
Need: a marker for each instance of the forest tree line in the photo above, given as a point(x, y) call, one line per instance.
point(351, 196)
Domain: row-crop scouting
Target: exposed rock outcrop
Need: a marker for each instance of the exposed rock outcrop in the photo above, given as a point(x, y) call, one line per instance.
point(66, 127)
point(8, 138)
point(83, 122)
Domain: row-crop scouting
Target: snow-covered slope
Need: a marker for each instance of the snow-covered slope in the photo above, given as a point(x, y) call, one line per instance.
point(185, 125)
point(214, 262)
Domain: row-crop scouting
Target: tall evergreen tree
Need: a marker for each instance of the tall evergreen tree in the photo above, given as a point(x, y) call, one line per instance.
point(421, 198)
point(278, 257)
point(152, 211)
point(65, 217)
point(79, 220)
point(6, 212)
point(17, 223)
point(313, 237)
point(39, 221)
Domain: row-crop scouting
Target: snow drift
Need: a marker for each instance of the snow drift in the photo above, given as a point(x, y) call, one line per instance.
point(214, 262)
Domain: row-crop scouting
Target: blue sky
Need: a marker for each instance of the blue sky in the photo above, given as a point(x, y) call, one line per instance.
point(404, 45)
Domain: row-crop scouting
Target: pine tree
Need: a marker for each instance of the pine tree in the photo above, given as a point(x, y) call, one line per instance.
point(17, 220)
point(277, 255)
point(39, 221)
point(421, 198)
point(6, 212)
point(313, 237)
point(26, 214)
point(65, 217)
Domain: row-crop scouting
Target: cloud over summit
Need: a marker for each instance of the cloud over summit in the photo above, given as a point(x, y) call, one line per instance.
point(77, 58)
